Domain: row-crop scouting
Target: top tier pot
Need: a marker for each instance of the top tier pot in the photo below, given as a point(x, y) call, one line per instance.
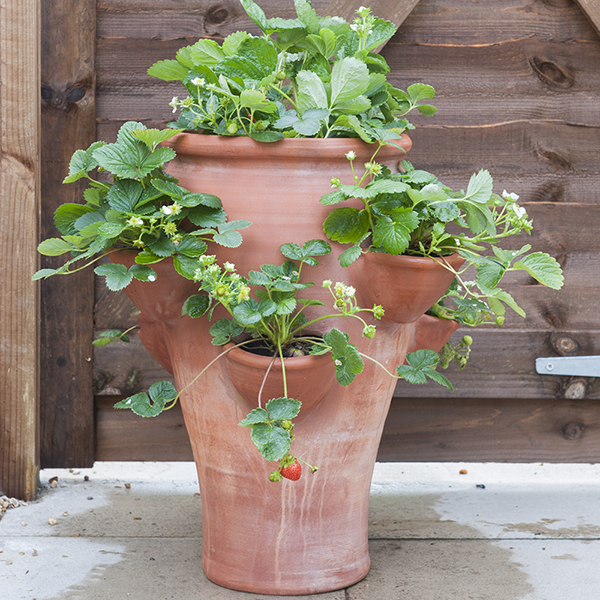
point(300, 537)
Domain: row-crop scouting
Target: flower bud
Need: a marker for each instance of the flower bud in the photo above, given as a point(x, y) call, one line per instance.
point(369, 331)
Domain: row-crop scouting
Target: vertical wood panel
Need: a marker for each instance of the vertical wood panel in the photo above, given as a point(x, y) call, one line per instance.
point(68, 123)
point(19, 201)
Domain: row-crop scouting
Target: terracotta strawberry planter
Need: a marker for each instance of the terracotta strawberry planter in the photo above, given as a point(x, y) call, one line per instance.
point(299, 537)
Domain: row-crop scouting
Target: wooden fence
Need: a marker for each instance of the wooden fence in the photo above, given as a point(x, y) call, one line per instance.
point(517, 92)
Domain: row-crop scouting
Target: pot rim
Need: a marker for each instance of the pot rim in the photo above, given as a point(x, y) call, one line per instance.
point(198, 144)
point(422, 262)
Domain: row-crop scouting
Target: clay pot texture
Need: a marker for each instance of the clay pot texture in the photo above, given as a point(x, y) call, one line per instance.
point(406, 286)
point(292, 538)
point(308, 378)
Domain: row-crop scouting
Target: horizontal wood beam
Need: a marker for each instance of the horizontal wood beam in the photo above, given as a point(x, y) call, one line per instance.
point(19, 198)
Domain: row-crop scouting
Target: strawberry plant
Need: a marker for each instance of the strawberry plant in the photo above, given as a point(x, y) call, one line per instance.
point(275, 318)
point(413, 213)
point(138, 207)
point(306, 77)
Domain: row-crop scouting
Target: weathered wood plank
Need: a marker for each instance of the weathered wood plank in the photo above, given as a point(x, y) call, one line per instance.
point(486, 430)
point(591, 9)
point(502, 365)
point(449, 22)
point(160, 19)
point(423, 429)
point(123, 435)
point(462, 22)
point(68, 109)
point(19, 198)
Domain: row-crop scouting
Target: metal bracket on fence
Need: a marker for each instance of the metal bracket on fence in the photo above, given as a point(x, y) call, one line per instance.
point(575, 366)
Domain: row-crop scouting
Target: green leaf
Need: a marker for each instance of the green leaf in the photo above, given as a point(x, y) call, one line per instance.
point(420, 91)
point(112, 230)
point(255, 60)
point(266, 136)
point(272, 441)
point(131, 158)
point(66, 215)
point(247, 313)
point(381, 32)
point(196, 306)
point(168, 70)
point(283, 408)
point(503, 296)
point(393, 233)
point(153, 137)
point(490, 272)
point(223, 330)
point(117, 276)
point(349, 79)
point(206, 216)
point(446, 211)
point(124, 195)
point(334, 198)
point(162, 391)
point(191, 246)
point(185, 266)
point(307, 14)
point(309, 249)
point(347, 257)
point(543, 268)
point(143, 273)
point(421, 365)
point(346, 225)
point(43, 274)
point(195, 199)
point(480, 187)
point(233, 41)
point(228, 235)
point(206, 52)
point(140, 404)
point(256, 100)
point(347, 360)
point(311, 91)
point(255, 416)
point(55, 247)
point(255, 13)
point(229, 239)
point(146, 257)
point(354, 106)
point(82, 162)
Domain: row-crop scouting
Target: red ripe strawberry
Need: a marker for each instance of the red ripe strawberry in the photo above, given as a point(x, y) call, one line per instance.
point(292, 471)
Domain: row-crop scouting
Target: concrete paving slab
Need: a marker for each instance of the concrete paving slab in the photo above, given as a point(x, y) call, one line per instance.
point(532, 533)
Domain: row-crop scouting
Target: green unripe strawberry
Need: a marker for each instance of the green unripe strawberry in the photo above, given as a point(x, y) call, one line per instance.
point(287, 425)
point(275, 476)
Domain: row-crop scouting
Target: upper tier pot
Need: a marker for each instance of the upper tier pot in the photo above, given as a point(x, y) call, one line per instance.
point(299, 537)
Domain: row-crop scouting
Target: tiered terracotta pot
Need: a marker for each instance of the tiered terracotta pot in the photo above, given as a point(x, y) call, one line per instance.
point(299, 537)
